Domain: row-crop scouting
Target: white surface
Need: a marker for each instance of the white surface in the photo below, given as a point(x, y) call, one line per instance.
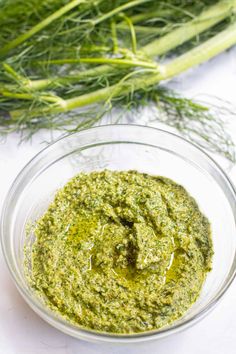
point(23, 332)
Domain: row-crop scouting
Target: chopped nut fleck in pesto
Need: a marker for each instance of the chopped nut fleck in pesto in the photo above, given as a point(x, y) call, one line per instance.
point(120, 252)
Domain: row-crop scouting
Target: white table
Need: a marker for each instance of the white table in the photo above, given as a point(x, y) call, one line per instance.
point(23, 332)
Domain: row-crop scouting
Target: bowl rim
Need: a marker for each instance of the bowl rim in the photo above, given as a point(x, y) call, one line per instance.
point(88, 334)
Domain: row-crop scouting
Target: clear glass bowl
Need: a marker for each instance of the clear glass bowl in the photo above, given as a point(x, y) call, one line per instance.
point(123, 147)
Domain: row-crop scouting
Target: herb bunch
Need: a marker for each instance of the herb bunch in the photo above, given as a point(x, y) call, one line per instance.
point(65, 64)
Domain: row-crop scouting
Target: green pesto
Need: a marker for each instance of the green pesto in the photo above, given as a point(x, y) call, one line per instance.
point(120, 252)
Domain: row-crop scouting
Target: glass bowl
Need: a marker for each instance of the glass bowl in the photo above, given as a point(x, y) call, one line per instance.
point(123, 147)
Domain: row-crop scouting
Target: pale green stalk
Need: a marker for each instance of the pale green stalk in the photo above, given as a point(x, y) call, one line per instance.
point(13, 74)
point(90, 73)
point(111, 61)
point(207, 19)
point(209, 49)
point(114, 37)
point(141, 29)
point(29, 96)
point(132, 32)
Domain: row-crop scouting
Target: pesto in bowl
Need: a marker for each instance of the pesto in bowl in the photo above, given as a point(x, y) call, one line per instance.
point(120, 252)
